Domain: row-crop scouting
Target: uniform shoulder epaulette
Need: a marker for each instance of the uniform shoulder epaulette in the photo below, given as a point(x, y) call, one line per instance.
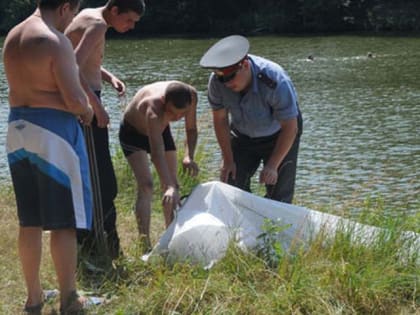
point(267, 80)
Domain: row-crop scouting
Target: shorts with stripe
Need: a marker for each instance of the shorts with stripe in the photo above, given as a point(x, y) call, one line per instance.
point(49, 168)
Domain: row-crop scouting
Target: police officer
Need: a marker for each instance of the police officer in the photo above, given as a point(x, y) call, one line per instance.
point(265, 122)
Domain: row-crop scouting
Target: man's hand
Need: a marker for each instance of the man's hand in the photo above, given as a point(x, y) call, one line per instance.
point(171, 197)
point(86, 118)
point(190, 166)
point(170, 201)
point(268, 175)
point(118, 85)
point(227, 170)
point(102, 116)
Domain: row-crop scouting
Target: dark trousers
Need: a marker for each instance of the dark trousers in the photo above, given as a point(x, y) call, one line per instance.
point(108, 192)
point(248, 154)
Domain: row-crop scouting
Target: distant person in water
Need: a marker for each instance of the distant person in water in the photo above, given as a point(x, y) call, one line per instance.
point(87, 34)
point(145, 130)
point(310, 58)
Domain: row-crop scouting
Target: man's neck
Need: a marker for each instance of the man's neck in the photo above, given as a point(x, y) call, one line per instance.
point(48, 17)
point(106, 14)
point(249, 80)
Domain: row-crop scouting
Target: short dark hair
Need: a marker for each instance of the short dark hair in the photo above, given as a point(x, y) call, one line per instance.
point(54, 4)
point(179, 94)
point(124, 6)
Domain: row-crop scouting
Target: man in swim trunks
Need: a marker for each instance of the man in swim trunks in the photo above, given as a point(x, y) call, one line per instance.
point(45, 146)
point(87, 34)
point(145, 129)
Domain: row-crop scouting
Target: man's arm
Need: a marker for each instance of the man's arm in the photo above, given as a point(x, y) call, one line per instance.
point(222, 130)
point(116, 83)
point(66, 75)
point(191, 138)
point(171, 197)
point(102, 116)
point(157, 148)
point(284, 142)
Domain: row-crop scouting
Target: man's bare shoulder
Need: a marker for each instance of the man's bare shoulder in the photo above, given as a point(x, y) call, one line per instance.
point(150, 93)
point(33, 37)
point(155, 88)
point(145, 102)
point(91, 19)
point(91, 15)
point(145, 97)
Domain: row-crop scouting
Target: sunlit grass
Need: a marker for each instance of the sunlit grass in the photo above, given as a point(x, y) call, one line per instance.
point(329, 276)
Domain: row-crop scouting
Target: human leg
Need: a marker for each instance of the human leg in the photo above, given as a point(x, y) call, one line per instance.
point(30, 251)
point(102, 168)
point(171, 160)
point(108, 187)
point(63, 248)
point(112, 237)
point(284, 189)
point(30, 230)
point(139, 164)
point(64, 254)
point(49, 180)
point(247, 160)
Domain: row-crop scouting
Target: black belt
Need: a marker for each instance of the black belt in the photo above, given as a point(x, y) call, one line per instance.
point(235, 133)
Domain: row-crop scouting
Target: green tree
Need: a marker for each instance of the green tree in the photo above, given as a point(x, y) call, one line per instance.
point(222, 17)
point(13, 12)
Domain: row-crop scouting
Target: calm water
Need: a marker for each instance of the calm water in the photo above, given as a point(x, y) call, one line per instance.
point(361, 115)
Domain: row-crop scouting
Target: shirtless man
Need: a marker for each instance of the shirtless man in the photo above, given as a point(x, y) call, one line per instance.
point(87, 34)
point(46, 151)
point(146, 129)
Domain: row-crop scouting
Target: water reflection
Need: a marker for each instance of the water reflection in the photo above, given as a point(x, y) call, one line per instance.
point(361, 131)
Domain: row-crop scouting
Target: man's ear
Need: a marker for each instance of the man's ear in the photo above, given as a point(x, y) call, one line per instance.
point(115, 10)
point(64, 8)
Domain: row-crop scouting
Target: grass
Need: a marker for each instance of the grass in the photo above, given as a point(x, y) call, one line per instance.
point(329, 276)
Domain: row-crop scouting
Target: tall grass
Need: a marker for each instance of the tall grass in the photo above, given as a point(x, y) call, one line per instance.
point(328, 276)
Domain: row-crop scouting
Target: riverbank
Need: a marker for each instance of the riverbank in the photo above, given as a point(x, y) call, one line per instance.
point(327, 277)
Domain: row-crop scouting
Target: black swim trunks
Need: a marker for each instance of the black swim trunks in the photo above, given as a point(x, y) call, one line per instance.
point(131, 140)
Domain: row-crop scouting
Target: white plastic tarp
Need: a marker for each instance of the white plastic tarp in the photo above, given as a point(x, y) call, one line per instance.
point(216, 214)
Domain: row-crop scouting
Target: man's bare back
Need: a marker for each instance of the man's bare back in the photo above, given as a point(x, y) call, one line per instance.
point(29, 49)
point(150, 98)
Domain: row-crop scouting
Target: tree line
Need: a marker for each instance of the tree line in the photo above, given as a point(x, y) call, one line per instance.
point(198, 17)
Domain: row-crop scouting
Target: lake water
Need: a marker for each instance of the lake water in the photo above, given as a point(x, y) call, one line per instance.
point(361, 135)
